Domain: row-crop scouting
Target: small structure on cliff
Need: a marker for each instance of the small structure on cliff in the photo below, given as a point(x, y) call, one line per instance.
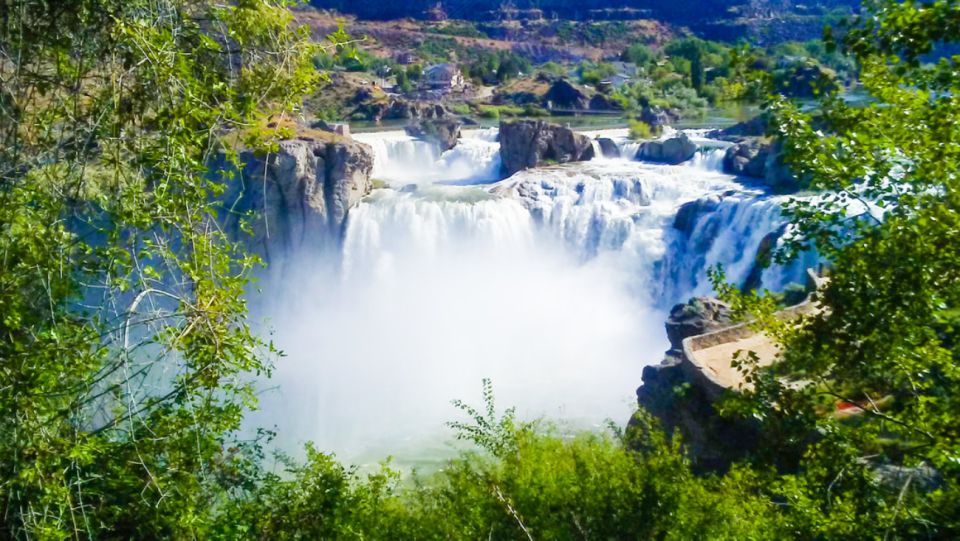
point(697, 371)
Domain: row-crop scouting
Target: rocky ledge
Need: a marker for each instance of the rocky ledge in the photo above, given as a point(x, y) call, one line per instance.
point(757, 155)
point(525, 144)
point(299, 196)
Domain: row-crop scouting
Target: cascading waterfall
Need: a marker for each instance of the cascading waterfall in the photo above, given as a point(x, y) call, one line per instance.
point(553, 282)
point(401, 159)
point(708, 159)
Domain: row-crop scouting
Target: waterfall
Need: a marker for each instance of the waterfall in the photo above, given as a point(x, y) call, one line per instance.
point(400, 159)
point(624, 212)
point(708, 159)
point(439, 287)
point(554, 283)
point(729, 233)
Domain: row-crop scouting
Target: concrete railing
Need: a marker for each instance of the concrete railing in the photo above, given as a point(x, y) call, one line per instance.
point(701, 375)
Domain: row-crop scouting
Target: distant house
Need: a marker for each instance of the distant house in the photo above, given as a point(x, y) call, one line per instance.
point(443, 77)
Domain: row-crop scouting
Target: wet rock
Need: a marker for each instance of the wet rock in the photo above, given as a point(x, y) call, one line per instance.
point(530, 143)
point(690, 213)
point(672, 151)
point(748, 158)
point(608, 147)
point(443, 131)
point(762, 259)
point(763, 160)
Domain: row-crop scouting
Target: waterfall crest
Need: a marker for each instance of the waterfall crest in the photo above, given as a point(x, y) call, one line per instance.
point(401, 159)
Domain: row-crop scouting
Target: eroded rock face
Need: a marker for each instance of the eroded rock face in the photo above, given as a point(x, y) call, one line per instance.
point(747, 159)
point(698, 316)
point(445, 132)
point(530, 143)
point(672, 151)
point(299, 195)
point(689, 213)
point(763, 160)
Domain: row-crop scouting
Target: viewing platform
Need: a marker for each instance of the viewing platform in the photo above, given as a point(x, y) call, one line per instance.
point(707, 358)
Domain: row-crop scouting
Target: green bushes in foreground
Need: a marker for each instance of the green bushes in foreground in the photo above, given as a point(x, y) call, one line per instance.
point(525, 481)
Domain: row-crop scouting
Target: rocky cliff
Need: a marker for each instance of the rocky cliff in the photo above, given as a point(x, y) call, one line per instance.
point(298, 198)
point(530, 143)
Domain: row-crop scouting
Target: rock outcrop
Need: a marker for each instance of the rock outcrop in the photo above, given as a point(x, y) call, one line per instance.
point(672, 151)
point(377, 108)
point(747, 158)
point(608, 147)
point(689, 213)
point(697, 316)
point(759, 159)
point(299, 196)
point(530, 143)
point(680, 404)
point(565, 95)
point(445, 132)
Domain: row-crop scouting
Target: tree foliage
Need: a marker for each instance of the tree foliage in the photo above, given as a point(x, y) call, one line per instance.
point(865, 397)
point(121, 302)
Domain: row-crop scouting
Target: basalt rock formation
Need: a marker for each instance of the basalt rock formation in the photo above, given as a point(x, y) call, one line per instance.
point(698, 316)
point(299, 196)
point(608, 147)
point(445, 131)
point(672, 151)
point(530, 143)
point(764, 160)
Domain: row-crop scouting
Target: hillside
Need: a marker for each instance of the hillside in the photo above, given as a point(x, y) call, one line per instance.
point(764, 20)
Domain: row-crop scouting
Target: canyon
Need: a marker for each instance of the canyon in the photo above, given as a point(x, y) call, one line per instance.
point(553, 281)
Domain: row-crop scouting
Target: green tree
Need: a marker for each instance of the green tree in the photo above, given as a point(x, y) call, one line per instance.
point(125, 344)
point(638, 54)
point(696, 71)
point(885, 345)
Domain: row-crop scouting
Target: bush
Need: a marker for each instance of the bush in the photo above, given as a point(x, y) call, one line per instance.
point(640, 130)
point(489, 111)
point(523, 479)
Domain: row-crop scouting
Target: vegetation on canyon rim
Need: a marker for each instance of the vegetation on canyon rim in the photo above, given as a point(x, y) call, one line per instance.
point(125, 363)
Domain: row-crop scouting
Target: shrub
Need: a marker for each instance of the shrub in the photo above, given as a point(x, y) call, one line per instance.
point(640, 130)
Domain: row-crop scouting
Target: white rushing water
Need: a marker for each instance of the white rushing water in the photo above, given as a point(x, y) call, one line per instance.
point(554, 283)
point(401, 159)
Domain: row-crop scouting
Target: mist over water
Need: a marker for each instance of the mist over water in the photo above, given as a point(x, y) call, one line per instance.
point(554, 284)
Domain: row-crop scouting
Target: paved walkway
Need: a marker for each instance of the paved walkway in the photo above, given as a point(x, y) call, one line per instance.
point(716, 359)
